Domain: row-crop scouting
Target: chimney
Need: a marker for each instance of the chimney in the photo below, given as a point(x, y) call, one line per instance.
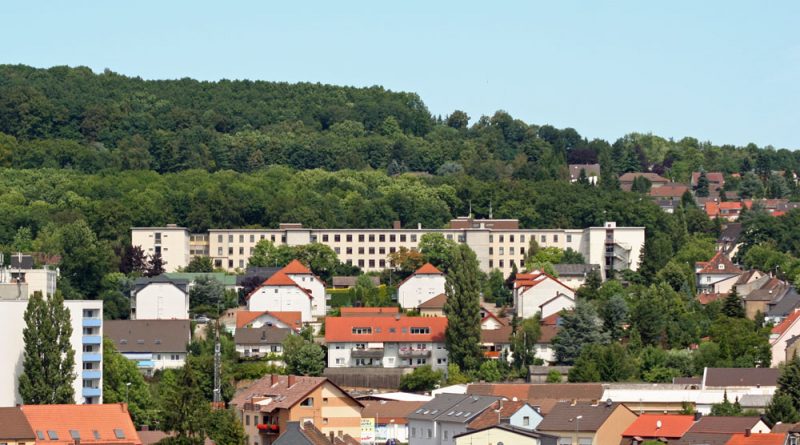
point(291, 380)
point(274, 379)
point(396, 225)
point(697, 416)
point(332, 436)
point(747, 432)
point(145, 427)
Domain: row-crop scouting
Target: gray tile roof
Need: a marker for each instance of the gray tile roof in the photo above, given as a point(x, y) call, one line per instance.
point(785, 305)
point(564, 414)
point(456, 408)
point(574, 270)
point(720, 377)
point(265, 335)
point(148, 335)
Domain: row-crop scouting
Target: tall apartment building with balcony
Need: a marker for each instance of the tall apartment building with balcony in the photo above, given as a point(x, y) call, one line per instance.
point(498, 243)
point(385, 341)
point(86, 340)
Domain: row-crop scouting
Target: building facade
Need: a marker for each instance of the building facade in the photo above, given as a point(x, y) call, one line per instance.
point(86, 340)
point(160, 298)
point(152, 344)
point(172, 242)
point(21, 282)
point(498, 244)
point(423, 285)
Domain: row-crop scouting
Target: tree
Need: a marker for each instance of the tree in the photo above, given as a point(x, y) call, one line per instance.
point(578, 329)
point(572, 257)
point(185, 410)
point(367, 293)
point(781, 409)
point(701, 189)
point(23, 240)
point(134, 261)
point(553, 377)
point(490, 371)
point(641, 185)
point(206, 295)
point(48, 360)
point(523, 341)
point(751, 187)
point(155, 266)
point(226, 428)
point(423, 378)
point(463, 310)
point(496, 289)
point(318, 257)
point(122, 382)
point(199, 264)
point(615, 317)
point(726, 408)
point(789, 381)
point(85, 259)
point(603, 363)
point(406, 260)
point(591, 286)
point(303, 357)
point(455, 376)
point(458, 120)
point(437, 250)
point(733, 306)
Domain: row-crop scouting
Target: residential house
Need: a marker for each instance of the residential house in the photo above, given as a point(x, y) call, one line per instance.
point(504, 434)
point(669, 196)
point(153, 344)
point(266, 407)
point(261, 342)
point(588, 423)
point(726, 210)
point(388, 342)
point(764, 297)
point(756, 439)
point(496, 343)
point(489, 320)
point(657, 427)
point(702, 439)
point(517, 413)
point(391, 311)
point(730, 425)
point(21, 278)
point(656, 181)
point(281, 293)
point(783, 305)
point(717, 275)
point(728, 241)
point(574, 275)
point(534, 290)
point(390, 419)
point(160, 298)
point(542, 397)
point(306, 433)
point(425, 283)
point(87, 323)
point(14, 427)
point(781, 335)
point(544, 345)
point(433, 307)
point(346, 282)
point(437, 422)
point(84, 424)
point(306, 279)
point(716, 181)
point(171, 242)
point(257, 319)
point(590, 171)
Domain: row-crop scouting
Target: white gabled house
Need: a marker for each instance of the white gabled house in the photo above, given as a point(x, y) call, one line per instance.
point(717, 275)
point(160, 298)
point(424, 284)
point(557, 304)
point(781, 335)
point(535, 289)
point(281, 294)
point(306, 279)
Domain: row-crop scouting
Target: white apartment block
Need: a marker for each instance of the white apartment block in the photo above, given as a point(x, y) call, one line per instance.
point(17, 283)
point(171, 241)
point(86, 339)
point(386, 341)
point(498, 244)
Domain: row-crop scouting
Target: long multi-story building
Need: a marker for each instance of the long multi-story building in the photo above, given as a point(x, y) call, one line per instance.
point(86, 340)
point(498, 243)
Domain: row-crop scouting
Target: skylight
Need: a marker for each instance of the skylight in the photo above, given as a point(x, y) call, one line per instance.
point(52, 435)
point(75, 434)
point(118, 433)
point(40, 435)
point(96, 434)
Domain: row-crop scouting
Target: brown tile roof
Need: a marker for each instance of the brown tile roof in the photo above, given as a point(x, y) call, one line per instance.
point(85, 420)
point(153, 437)
point(669, 190)
point(653, 177)
point(702, 439)
point(562, 416)
point(542, 395)
point(724, 424)
point(148, 335)
point(389, 411)
point(575, 170)
point(274, 391)
point(490, 416)
point(548, 333)
point(742, 376)
point(289, 318)
point(265, 335)
point(436, 302)
point(14, 426)
point(712, 266)
point(501, 335)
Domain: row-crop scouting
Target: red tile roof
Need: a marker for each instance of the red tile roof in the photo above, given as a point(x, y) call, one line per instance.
point(358, 311)
point(274, 391)
point(389, 411)
point(297, 268)
point(490, 416)
point(290, 318)
point(535, 277)
point(669, 190)
point(659, 425)
point(705, 298)
point(384, 329)
point(279, 278)
point(428, 269)
point(713, 177)
point(757, 439)
point(85, 420)
point(788, 321)
point(712, 266)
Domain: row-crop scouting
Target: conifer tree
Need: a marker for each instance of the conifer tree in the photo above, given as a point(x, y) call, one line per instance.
point(733, 307)
point(48, 360)
point(155, 266)
point(702, 185)
point(463, 310)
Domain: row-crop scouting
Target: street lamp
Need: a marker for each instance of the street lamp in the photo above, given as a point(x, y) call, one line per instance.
point(577, 427)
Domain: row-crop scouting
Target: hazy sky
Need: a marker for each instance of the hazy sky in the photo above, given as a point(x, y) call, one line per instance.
point(725, 71)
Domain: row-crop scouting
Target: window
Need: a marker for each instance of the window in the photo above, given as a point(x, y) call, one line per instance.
point(372, 251)
point(446, 435)
point(252, 238)
point(543, 238)
point(360, 250)
point(511, 251)
point(337, 238)
point(450, 236)
point(230, 250)
point(340, 361)
point(413, 432)
point(371, 238)
point(324, 400)
point(75, 435)
point(324, 420)
point(555, 238)
point(362, 330)
point(565, 441)
point(422, 361)
point(382, 264)
point(569, 238)
point(501, 264)
point(349, 238)
point(382, 238)
point(361, 238)
point(501, 238)
point(420, 330)
point(382, 250)
point(402, 238)
point(430, 433)
point(247, 419)
point(441, 361)
point(219, 238)
point(309, 401)
point(721, 267)
point(324, 238)
point(491, 251)
point(241, 250)
point(40, 435)
point(526, 421)
point(337, 250)
point(230, 238)
point(52, 435)
point(349, 250)
point(413, 238)
point(96, 434)
point(371, 263)
point(360, 263)
point(118, 433)
point(522, 238)
point(502, 251)
point(585, 441)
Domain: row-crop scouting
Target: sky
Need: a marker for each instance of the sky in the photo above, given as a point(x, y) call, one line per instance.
point(721, 71)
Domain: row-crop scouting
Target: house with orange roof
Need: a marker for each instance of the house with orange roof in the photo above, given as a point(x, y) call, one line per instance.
point(757, 439)
point(727, 210)
point(257, 319)
point(535, 289)
point(85, 424)
point(717, 275)
point(268, 405)
point(314, 285)
point(658, 427)
point(386, 342)
point(424, 284)
point(281, 293)
point(781, 335)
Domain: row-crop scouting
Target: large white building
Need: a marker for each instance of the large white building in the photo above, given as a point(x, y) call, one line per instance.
point(498, 243)
point(20, 279)
point(86, 340)
point(380, 340)
point(160, 298)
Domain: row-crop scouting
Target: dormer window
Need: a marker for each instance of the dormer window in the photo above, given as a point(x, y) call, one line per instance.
point(362, 330)
point(721, 267)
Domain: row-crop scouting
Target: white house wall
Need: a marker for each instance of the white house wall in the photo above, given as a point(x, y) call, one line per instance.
point(161, 301)
point(420, 288)
point(281, 299)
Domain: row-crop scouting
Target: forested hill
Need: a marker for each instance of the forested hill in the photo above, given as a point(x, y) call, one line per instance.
point(72, 117)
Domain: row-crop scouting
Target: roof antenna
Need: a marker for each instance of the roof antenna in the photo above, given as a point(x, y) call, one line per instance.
point(469, 215)
point(490, 209)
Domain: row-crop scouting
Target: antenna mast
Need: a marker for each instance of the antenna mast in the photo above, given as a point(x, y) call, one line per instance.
point(217, 369)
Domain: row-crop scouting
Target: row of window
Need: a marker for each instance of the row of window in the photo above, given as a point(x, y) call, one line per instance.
point(381, 238)
point(368, 330)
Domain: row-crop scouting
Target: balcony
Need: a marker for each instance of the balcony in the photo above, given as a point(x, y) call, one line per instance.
point(92, 322)
point(414, 353)
point(145, 364)
point(91, 392)
point(91, 374)
point(92, 340)
point(268, 428)
point(92, 357)
point(367, 353)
